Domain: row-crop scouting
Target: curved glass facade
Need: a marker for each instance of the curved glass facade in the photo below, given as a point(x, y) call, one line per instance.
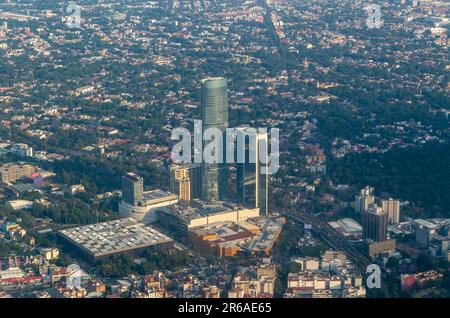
point(214, 113)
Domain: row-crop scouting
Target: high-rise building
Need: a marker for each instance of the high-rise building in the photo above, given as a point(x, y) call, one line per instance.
point(132, 189)
point(185, 181)
point(364, 199)
point(375, 223)
point(251, 182)
point(425, 232)
point(392, 208)
point(184, 185)
point(214, 114)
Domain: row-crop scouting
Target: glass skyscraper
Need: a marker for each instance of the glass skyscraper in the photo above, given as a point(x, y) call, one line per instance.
point(214, 113)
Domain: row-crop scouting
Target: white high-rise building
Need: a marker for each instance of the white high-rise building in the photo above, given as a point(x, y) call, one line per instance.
point(364, 199)
point(251, 183)
point(392, 208)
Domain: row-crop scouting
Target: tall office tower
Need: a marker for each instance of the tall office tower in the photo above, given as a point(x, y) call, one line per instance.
point(251, 184)
point(375, 223)
point(214, 109)
point(195, 175)
point(392, 208)
point(185, 181)
point(132, 189)
point(184, 185)
point(364, 199)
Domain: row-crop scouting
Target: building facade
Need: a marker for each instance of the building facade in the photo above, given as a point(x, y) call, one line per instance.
point(185, 181)
point(375, 223)
point(251, 183)
point(392, 208)
point(132, 189)
point(214, 114)
point(10, 172)
point(145, 211)
point(364, 199)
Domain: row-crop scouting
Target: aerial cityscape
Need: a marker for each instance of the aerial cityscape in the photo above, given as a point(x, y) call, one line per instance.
point(224, 149)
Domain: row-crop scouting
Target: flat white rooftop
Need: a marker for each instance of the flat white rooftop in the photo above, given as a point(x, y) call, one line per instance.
point(113, 237)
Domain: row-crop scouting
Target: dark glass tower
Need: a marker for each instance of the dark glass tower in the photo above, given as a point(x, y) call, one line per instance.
point(132, 189)
point(214, 109)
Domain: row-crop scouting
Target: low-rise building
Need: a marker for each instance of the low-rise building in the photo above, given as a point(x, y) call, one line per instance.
point(114, 237)
point(180, 218)
point(10, 172)
point(50, 253)
point(254, 282)
point(145, 210)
